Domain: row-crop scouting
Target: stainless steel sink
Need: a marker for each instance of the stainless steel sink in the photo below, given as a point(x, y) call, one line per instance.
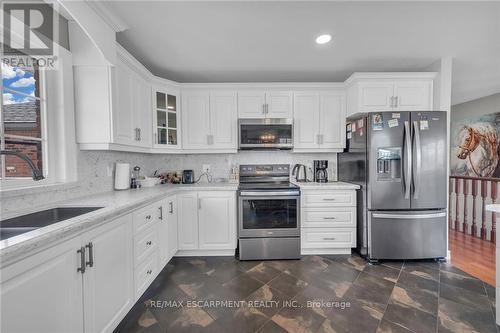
point(24, 223)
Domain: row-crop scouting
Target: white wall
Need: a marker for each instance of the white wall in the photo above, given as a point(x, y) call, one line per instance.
point(477, 107)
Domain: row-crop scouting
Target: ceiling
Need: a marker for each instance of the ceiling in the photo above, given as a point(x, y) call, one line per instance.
point(251, 41)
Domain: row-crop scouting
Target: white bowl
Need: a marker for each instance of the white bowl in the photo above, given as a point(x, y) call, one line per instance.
point(149, 181)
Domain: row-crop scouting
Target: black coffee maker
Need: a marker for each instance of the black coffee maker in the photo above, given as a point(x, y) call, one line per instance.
point(320, 171)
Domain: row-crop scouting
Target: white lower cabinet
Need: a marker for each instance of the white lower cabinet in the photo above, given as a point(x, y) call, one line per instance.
point(108, 280)
point(207, 220)
point(167, 230)
point(91, 291)
point(328, 221)
point(36, 287)
point(217, 220)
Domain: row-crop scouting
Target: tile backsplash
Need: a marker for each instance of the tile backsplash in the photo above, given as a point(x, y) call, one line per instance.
point(96, 171)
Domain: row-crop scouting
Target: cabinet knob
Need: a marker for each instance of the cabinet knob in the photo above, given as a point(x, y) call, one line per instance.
point(148, 217)
point(149, 272)
point(149, 243)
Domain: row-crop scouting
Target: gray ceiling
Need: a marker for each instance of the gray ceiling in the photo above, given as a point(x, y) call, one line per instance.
point(250, 41)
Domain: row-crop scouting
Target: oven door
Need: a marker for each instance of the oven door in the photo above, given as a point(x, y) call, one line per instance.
point(265, 134)
point(265, 214)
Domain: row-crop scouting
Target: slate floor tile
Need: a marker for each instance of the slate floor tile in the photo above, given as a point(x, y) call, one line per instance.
point(417, 292)
point(388, 327)
point(272, 299)
point(410, 318)
point(272, 327)
point(454, 317)
point(422, 270)
point(298, 319)
point(385, 272)
point(189, 320)
point(243, 319)
point(241, 286)
point(468, 298)
point(316, 298)
point(356, 318)
point(465, 282)
point(288, 284)
point(263, 272)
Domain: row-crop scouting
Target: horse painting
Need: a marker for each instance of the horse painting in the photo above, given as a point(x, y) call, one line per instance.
point(478, 149)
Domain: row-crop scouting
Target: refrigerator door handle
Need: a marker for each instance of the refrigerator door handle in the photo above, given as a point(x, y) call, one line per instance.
point(409, 216)
point(409, 161)
point(418, 157)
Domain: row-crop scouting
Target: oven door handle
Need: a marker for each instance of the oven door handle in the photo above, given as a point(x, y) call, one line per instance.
point(269, 193)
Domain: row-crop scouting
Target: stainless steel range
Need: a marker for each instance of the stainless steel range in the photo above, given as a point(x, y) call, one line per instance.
point(268, 213)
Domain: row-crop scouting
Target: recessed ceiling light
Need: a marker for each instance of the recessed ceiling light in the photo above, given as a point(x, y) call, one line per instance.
point(323, 39)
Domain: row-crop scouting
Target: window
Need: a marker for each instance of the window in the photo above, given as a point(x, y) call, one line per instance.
point(22, 122)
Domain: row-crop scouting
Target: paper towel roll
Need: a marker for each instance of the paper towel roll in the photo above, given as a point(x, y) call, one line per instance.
point(122, 176)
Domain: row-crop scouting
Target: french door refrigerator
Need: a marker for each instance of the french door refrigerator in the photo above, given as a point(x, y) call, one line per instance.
point(399, 160)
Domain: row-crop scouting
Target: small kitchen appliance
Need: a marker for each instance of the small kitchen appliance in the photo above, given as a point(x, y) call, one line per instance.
point(320, 171)
point(187, 176)
point(299, 172)
point(268, 213)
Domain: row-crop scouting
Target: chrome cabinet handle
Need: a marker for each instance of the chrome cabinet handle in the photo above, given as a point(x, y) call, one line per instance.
point(171, 207)
point(148, 217)
point(267, 108)
point(199, 203)
point(156, 137)
point(321, 136)
point(329, 218)
point(90, 246)
point(140, 135)
point(329, 199)
point(318, 141)
point(263, 108)
point(149, 243)
point(329, 238)
point(81, 251)
point(392, 101)
point(149, 272)
point(161, 212)
point(396, 101)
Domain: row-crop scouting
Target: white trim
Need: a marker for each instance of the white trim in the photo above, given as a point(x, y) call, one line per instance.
point(203, 253)
point(320, 251)
point(389, 76)
point(114, 21)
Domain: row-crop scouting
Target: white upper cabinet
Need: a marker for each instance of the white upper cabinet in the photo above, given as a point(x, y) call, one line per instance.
point(319, 121)
point(113, 106)
point(196, 124)
point(223, 119)
point(210, 120)
point(166, 118)
point(264, 104)
point(377, 92)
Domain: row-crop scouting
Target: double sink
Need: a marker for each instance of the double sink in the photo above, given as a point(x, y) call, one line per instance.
point(25, 223)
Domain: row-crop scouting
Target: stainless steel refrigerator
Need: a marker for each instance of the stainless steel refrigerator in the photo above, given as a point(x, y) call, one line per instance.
point(400, 161)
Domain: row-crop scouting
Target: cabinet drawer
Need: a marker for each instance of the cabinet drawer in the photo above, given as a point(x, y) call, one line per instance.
point(144, 244)
point(330, 199)
point(318, 238)
point(327, 218)
point(146, 217)
point(145, 273)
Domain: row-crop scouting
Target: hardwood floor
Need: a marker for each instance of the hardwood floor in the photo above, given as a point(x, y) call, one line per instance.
point(473, 256)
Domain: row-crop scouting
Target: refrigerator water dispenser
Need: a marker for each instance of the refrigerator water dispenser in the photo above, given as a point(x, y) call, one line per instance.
point(389, 164)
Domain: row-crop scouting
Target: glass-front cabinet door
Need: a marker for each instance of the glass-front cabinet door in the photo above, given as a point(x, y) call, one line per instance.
point(166, 114)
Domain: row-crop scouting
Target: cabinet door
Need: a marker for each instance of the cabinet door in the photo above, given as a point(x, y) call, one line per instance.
point(306, 120)
point(166, 118)
point(196, 119)
point(413, 95)
point(188, 215)
point(108, 281)
point(223, 120)
point(163, 233)
point(251, 104)
point(171, 214)
point(332, 114)
point(279, 104)
point(142, 111)
point(375, 96)
point(217, 220)
point(123, 114)
point(43, 293)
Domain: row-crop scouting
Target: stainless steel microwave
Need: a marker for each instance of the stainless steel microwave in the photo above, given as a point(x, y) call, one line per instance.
point(266, 133)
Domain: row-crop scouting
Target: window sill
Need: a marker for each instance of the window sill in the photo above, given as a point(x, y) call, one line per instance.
point(9, 192)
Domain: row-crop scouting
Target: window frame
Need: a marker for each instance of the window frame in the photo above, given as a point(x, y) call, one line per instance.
point(15, 182)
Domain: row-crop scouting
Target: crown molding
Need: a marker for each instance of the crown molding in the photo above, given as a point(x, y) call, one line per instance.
point(111, 19)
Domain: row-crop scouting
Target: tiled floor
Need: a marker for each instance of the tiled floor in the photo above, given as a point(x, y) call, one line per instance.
point(349, 295)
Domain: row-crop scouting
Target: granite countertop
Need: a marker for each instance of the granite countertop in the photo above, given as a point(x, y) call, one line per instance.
point(327, 186)
point(114, 203)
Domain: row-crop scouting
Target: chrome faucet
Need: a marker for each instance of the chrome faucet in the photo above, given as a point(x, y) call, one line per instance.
point(37, 174)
